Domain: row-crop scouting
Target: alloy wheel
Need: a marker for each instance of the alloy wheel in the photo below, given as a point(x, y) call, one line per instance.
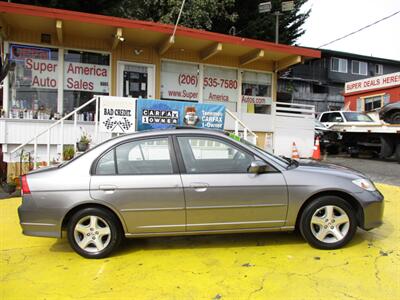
point(92, 234)
point(330, 224)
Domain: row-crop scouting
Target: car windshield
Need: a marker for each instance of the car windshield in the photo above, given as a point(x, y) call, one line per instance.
point(357, 117)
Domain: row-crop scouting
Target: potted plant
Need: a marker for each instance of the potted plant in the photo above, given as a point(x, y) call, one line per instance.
point(68, 152)
point(83, 144)
point(9, 186)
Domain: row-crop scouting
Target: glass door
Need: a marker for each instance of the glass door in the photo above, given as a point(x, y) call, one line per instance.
point(135, 80)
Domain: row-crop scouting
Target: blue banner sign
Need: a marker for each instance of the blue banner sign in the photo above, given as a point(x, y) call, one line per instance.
point(163, 114)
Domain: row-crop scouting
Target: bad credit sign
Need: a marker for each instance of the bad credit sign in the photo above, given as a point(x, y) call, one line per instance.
point(383, 81)
point(117, 115)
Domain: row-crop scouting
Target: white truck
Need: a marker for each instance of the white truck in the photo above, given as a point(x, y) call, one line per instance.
point(359, 132)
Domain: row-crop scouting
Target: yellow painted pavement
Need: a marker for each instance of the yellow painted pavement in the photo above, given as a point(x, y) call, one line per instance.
point(242, 266)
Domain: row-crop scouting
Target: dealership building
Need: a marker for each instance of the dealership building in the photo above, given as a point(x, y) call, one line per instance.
point(63, 58)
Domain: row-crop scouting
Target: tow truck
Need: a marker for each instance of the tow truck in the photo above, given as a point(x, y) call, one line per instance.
point(359, 132)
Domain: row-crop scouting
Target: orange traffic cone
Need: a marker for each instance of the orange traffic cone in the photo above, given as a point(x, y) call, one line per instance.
point(317, 151)
point(295, 153)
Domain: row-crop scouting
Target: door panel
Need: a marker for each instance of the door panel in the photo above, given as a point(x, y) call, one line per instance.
point(219, 191)
point(233, 201)
point(140, 178)
point(148, 203)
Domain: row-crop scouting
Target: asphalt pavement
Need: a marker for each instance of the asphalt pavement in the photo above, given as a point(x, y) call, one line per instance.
point(378, 170)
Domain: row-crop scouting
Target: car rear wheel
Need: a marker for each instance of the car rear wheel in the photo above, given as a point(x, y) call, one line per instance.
point(328, 222)
point(94, 232)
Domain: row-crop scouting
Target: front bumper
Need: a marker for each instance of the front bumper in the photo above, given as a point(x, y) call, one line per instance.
point(373, 205)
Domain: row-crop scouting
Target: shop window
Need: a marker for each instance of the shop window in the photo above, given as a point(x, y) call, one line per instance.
point(338, 65)
point(33, 83)
point(256, 92)
point(220, 85)
point(372, 103)
point(85, 74)
point(179, 81)
point(359, 67)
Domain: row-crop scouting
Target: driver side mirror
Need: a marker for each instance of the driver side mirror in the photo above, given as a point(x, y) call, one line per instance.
point(257, 167)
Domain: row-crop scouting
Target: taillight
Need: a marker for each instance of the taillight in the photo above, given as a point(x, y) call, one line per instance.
point(24, 185)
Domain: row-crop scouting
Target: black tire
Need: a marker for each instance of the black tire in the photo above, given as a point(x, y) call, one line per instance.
point(105, 217)
point(387, 147)
point(397, 151)
point(316, 205)
point(395, 118)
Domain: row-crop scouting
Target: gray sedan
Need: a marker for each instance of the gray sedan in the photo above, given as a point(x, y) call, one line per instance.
point(193, 181)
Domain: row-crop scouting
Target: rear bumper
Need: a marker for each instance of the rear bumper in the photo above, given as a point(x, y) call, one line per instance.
point(373, 207)
point(36, 221)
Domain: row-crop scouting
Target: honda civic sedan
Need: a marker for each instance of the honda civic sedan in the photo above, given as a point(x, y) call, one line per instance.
point(193, 181)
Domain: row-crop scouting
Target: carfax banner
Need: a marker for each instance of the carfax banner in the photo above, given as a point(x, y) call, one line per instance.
point(162, 114)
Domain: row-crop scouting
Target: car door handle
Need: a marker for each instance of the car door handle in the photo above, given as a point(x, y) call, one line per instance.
point(108, 189)
point(199, 186)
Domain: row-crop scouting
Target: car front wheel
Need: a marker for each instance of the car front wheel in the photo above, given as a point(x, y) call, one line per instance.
point(328, 222)
point(94, 232)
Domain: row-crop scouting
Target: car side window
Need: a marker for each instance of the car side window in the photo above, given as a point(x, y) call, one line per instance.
point(150, 156)
point(335, 117)
point(325, 118)
point(106, 164)
point(211, 155)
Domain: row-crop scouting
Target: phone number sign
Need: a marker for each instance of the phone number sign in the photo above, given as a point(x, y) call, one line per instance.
point(220, 85)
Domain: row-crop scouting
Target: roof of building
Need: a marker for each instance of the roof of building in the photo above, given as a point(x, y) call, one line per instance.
point(359, 56)
point(142, 33)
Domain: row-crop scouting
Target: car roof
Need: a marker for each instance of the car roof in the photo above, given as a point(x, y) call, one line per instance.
point(179, 130)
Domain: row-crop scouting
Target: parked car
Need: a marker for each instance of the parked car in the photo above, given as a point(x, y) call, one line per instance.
point(193, 181)
point(390, 113)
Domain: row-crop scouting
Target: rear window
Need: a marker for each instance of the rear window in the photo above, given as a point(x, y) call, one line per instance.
point(357, 117)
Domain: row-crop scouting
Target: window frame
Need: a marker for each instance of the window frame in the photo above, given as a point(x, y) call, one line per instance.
point(181, 162)
point(359, 67)
point(60, 78)
point(380, 69)
point(338, 70)
point(171, 149)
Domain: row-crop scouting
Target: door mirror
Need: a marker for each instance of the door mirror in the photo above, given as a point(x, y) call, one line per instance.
point(257, 167)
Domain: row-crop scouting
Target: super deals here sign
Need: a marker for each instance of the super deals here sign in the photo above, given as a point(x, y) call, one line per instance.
point(117, 115)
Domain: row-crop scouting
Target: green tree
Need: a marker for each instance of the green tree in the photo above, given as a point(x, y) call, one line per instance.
point(200, 14)
point(89, 6)
point(252, 24)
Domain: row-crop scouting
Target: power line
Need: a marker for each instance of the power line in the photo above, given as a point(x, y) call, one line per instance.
point(365, 27)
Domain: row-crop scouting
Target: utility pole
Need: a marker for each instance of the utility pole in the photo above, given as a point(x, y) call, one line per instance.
point(267, 6)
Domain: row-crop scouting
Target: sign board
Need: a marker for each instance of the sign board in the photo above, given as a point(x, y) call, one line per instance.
point(86, 77)
point(39, 73)
point(264, 7)
point(20, 52)
point(117, 114)
point(179, 81)
point(256, 100)
point(162, 114)
point(384, 81)
point(287, 5)
point(220, 84)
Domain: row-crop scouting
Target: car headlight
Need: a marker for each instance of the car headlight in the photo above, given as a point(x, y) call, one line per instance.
point(365, 184)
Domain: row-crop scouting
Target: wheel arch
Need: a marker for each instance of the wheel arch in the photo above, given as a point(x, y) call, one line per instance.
point(78, 207)
point(345, 196)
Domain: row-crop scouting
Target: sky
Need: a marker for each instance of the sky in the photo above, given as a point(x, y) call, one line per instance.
point(331, 19)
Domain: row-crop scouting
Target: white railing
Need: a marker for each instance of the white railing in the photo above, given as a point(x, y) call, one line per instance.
point(284, 109)
point(248, 134)
point(61, 123)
